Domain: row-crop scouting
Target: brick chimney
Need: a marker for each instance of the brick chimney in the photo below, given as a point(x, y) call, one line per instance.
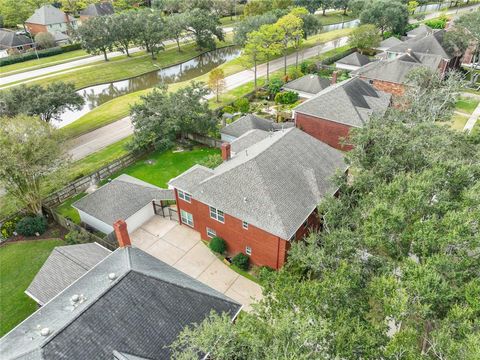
point(226, 153)
point(120, 228)
point(334, 77)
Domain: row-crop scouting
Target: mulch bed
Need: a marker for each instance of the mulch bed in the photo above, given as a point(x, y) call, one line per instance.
point(54, 231)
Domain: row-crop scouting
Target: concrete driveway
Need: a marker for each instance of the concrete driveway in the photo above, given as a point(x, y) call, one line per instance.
point(181, 247)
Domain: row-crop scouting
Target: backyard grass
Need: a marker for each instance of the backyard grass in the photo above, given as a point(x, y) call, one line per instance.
point(459, 121)
point(42, 62)
point(19, 263)
point(467, 105)
point(334, 17)
point(67, 211)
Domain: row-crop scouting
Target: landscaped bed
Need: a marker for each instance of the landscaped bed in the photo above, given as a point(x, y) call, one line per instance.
point(19, 263)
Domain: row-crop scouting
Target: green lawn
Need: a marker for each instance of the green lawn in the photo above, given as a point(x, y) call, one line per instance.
point(467, 105)
point(42, 62)
point(459, 121)
point(67, 211)
point(19, 263)
point(334, 17)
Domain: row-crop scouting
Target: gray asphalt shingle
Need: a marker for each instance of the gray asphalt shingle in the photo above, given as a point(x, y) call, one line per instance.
point(354, 59)
point(48, 15)
point(310, 84)
point(251, 122)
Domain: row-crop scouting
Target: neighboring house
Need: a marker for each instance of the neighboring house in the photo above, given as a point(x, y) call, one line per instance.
point(123, 198)
point(421, 31)
point(331, 114)
point(49, 19)
point(11, 42)
point(93, 10)
point(64, 266)
point(391, 75)
point(307, 86)
point(129, 306)
point(388, 43)
point(250, 122)
point(262, 198)
point(353, 61)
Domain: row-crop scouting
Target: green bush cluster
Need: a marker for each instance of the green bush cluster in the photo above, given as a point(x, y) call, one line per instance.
point(8, 227)
point(241, 261)
point(274, 86)
point(439, 23)
point(41, 54)
point(242, 105)
point(31, 225)
point(308, 67)
point(331, 59)
point(77, 237)
point(218, 245)
point(286, 97)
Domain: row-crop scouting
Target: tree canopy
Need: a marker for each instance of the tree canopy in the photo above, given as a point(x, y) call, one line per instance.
point(391, 15)
point(364, 37)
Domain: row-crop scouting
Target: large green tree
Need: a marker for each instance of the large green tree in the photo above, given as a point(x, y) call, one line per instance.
point(30, 150)
point(152, 31)
point(204, 27)
point(387, 15)
point(175, 27)
point(48, 102)
point(252, 23)
point(124, 29)
point(164, 115)
point(291, 27)
point(365, 37)
point(96, 35)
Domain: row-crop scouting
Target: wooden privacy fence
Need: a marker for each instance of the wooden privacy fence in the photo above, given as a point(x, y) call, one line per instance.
point(205, 140)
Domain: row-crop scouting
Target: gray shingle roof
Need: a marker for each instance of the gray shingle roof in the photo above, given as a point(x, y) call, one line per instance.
point(251, 122)
point(47, 15)
point(421, 30)
point(390, 42)
point(396, 70)
point(9, 39)
point(100, 9)
point(248, 139)
point(273, 185)
point(63, 267)
point(349, 102)
point(120, 199)
point(310, 84)
point(139, 313)
point(430, 44)
point(355, 59)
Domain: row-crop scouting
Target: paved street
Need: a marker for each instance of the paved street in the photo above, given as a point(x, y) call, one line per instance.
point(181, 247)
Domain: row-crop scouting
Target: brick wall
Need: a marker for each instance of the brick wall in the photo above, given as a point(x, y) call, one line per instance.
point(267, 249)
point(389, 87)
point(34, 29)
point(329, 132)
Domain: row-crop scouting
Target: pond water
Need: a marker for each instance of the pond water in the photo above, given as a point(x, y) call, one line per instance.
point(98, 94)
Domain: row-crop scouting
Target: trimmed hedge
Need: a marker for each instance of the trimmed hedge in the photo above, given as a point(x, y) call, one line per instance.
point(41, 54)
point(241, 261)
point(330, 60)
point(218, 245)
point(30, 225)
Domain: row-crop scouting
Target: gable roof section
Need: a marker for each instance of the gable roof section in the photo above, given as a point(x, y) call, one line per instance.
point(130, 303)
point(48, 15)
point(64, 266)
point(421, 30)
point(274, 184)
point(354, 59)
point(100, 9)
point(430, 44)
point(396, 70)
point(350, 102)
point(389, 42)
point(9, 39)
point(121, 198)
point(310, 84)
point(250, 122)
point(248, 139)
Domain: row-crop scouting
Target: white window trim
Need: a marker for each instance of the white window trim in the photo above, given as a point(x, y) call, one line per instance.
point(245, 225)
point(185, 219)
point(216, 212)
point(185, 196)
point(212, 231)
point(248, 250)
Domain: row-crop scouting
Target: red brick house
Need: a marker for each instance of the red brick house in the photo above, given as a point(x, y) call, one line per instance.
point(262, 198)
point(331, 114)
point(50, 19)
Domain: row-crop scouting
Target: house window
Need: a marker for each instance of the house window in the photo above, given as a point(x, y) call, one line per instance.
point(248, 250)
point(217, 215)
point(245, 225)
point(211, 233)
point(184, 196)
point(187, 218)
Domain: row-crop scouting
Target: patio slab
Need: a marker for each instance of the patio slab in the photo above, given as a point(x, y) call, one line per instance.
point(196, 261)
point(159, 226)
point(218, 276)
point(182, 237)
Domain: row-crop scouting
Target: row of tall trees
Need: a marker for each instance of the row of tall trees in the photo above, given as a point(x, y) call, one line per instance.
point(394, 273)
point(148, 29)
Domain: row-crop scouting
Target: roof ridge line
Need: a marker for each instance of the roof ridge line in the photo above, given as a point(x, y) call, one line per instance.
point(74, 260)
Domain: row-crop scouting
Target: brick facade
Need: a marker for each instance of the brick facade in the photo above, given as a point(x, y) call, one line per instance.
point(267, 249)
point(330, 132)
point(34, 29)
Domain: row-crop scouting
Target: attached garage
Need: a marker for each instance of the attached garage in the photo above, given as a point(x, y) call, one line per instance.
point(125, 198)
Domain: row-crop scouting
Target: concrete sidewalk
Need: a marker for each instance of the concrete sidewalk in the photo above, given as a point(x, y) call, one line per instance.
point(182, 248)
point(472, 120)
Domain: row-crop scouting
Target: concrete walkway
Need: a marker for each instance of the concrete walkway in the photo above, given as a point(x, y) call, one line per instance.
point(94, 141)
point(182, 248)
point(472, 120)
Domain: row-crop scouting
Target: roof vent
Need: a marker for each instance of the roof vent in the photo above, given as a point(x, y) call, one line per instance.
point(244, 199)
point(75, 298)
point(45, 331)
point(112, 276)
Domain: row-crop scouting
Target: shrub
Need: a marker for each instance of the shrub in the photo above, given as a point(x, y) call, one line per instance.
point(77, 237)
point(30, 56)
point(308, 67)
point(274, 86)
point(218, 245)
point(228, 109)
point(30, 225)
point(294, 73)
point(439, 23)
point(241, 261)
point(286, 97)
point(8, 227)
point(242, 105)
point(212, 161)
point(71, 47)
point(45, 40)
